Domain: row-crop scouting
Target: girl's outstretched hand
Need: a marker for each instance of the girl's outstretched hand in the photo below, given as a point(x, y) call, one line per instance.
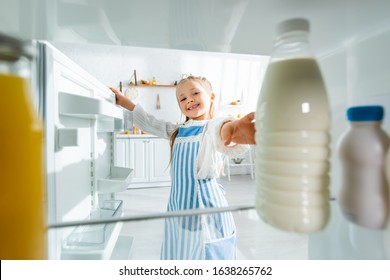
point(122, 100)
point(240, 131)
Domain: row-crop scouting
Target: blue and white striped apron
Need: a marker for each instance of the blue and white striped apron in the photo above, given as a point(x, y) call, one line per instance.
point(209, 236)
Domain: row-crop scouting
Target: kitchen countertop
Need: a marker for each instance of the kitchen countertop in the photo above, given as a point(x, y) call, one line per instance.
point(122, 135)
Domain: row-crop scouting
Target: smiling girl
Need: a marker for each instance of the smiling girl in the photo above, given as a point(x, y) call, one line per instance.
point(197, 150)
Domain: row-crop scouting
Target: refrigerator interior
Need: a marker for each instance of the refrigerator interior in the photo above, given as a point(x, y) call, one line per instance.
point(351, 39)
point(355, 73)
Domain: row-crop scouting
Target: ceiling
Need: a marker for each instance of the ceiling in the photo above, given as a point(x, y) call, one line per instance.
point(237, 26)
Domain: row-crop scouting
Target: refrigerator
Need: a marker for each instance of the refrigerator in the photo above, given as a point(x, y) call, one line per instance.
point(80, 117)
point(351, 41)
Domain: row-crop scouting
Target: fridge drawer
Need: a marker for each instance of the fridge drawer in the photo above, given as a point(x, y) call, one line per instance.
point(94, 241)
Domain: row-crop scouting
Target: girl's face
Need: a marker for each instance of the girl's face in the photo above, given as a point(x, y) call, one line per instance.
point(194, 100)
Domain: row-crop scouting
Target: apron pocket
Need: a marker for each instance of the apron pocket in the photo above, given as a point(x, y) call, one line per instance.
point(222, 249)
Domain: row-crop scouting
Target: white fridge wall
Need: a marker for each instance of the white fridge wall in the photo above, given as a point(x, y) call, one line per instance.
point(356, 73)
point(231, 75)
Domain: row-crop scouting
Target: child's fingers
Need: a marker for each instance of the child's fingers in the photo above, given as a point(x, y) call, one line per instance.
point(114, 90)
point(250, 117)
point(227, 141)
point(118, 94)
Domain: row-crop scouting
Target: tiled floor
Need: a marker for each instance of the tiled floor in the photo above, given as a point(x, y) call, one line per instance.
point(255, 239)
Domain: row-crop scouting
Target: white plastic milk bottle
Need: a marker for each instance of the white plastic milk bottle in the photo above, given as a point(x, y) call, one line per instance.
point(364, 193)
point(292, 139)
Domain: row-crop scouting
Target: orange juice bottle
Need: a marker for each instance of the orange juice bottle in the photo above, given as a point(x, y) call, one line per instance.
point(22, 190)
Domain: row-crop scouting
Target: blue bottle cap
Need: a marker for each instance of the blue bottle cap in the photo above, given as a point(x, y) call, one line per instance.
point(365, 113)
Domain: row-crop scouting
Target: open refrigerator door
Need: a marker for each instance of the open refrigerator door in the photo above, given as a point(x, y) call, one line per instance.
point(80, 118)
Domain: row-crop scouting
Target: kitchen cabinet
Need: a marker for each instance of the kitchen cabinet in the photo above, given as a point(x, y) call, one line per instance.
point(122, 151)
point(147, 155)
point(139, 158)
point(159, 160)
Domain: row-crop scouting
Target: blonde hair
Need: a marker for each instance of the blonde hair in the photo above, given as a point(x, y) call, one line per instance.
point(207, 86)
point(202, 80)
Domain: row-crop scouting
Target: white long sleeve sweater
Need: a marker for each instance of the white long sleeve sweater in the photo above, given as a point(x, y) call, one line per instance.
point(210, 157)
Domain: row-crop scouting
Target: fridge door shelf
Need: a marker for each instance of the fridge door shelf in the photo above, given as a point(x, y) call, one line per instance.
point(87, 107)
point(94, 241)
point(119, 179)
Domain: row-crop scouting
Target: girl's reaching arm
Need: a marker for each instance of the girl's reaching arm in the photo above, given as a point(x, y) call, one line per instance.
point(240, 131)
point(121, 100)
point(146, 122)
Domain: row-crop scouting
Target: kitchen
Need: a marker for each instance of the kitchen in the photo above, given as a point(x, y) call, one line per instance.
point(351, 44)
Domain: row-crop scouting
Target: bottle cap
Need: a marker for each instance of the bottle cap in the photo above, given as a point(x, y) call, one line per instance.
point(365, 113)
point(293, 24)
point(11, 48)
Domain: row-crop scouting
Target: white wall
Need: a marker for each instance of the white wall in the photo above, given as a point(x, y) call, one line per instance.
point(231, 75)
